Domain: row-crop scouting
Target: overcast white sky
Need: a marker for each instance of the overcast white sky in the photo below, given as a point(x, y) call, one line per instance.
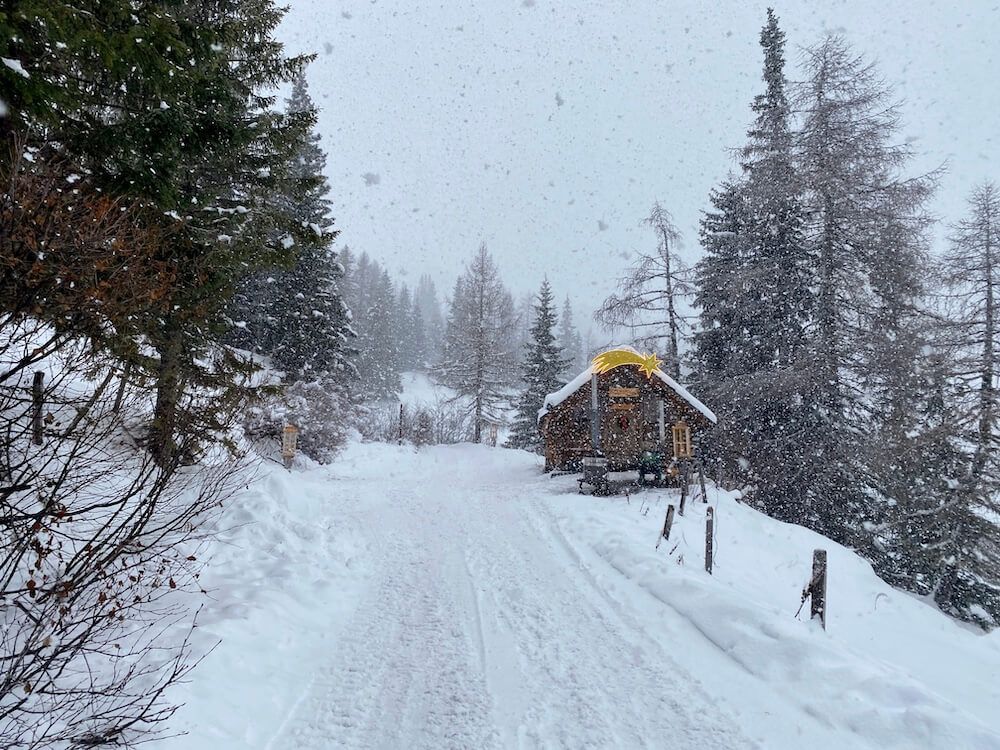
point(548, 128)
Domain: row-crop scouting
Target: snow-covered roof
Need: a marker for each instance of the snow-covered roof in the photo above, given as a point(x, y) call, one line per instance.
point(554, 399)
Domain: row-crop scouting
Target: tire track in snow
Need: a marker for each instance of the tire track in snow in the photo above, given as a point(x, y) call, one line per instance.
point(402, 675)
point(585, 661)
point(483, 629)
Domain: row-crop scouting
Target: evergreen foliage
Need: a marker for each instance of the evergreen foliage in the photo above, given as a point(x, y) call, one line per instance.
point(865, 234)
point(845, 403)
point(297, 316)
point(479, 342)
point(426, 302)
point(570, 342)
point(379, 361)
point(755, 295)
point(543, 366)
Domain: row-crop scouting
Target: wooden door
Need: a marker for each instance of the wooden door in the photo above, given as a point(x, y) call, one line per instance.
point(621, 443)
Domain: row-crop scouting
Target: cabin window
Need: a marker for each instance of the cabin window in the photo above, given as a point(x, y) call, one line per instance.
point(682, 440)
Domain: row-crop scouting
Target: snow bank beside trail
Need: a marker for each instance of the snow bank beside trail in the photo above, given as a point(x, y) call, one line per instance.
point(890, 671)
point(287, 570)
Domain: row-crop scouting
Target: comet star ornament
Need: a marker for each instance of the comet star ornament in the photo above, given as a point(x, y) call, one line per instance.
point(607, 361)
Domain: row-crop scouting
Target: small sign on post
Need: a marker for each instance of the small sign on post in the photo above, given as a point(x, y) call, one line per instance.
point(289, 439)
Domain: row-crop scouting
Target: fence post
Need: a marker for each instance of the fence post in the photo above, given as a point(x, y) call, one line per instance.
point(38, 402)
point(400, 441)
point(817, 587)
point(701, 479)
point(684, 490)
point(709, 529)
point(668, 522)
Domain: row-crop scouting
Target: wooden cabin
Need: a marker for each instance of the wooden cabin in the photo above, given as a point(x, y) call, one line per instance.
point(640, 410)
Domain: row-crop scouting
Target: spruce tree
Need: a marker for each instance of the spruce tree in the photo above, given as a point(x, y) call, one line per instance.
point(425, 298)
point(479, 342)
point(297, 316)
point(222, 153)
point(542, 369)
point(379, 358)
point(755, 295)
point(570, 341)
point(410, 331)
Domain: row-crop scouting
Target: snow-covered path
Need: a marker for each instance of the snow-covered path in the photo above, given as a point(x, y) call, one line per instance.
point(455, 597)
point(481, 628)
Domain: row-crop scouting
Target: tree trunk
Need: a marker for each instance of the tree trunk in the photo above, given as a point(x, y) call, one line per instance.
point(827, 313)
point(168, 378)
point(987, 374)
point(675, 363)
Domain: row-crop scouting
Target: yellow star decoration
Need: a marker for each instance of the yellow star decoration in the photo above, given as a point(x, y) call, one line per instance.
point(606, 361)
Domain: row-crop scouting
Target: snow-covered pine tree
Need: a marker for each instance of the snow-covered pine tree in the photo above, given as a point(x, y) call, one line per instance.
point(544, 363)
point(905, 440)
point(426, 300)
point(238, 152)
point(297, 315)
point(360, 284)
point(755, 297)
point(523, 316)
point(863, 224)
point(718, 352)
point(166, 104)
point(570, 341)
point(410, 328)
point(348, 284)
point(968, 577)
point(320, 347)
point(379, 358)
point(648, 296)
point(479, 341)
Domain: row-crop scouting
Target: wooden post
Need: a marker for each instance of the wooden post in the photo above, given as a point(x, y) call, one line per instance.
point(684, 492)
point(400, 424)
point(667, 523)
point(817, 587)
point(709, 529)
point(289, 439)
point(38, 402)
point(701, 479)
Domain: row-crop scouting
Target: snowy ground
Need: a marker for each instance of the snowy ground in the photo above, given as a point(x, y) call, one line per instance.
point(420, 391)
point(456, 598)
